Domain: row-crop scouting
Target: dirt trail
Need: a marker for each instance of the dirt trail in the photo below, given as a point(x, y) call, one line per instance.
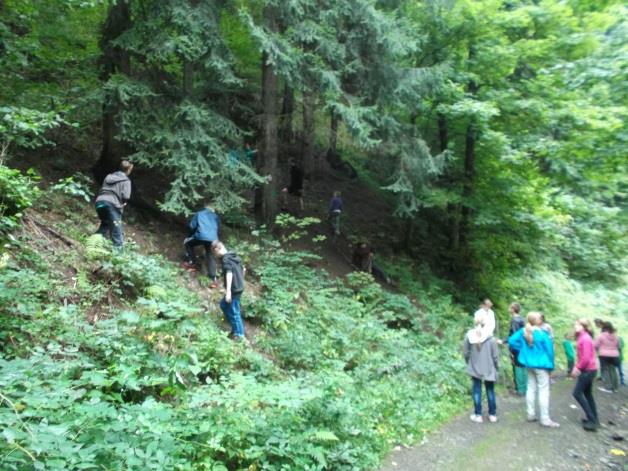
point(514, 444)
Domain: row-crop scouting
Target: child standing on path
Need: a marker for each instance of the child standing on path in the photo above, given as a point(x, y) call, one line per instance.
point(569, 353)
point(620, 368)
point(482, 358)
point(607, 345)
point(335, 210)
point(536, 353)
point(585, 371)
point(233, 273)
point(519, 373)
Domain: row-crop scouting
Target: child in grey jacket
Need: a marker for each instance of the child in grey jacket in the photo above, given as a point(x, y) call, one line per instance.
point(482, 358)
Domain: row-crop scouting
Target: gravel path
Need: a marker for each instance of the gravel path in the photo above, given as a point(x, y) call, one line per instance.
point(514, 444)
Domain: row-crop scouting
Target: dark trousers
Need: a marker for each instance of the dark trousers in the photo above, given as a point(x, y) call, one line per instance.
point(110, 223)
point(490, 396)
point(211, 261)
point(609, 367)
point(583, 394)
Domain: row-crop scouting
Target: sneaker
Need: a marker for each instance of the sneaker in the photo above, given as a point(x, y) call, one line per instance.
point(188, 266)
point(550, 424)
point(492, 418)
point(589, 426)
point(600, 388)
point(213, 285)
point(476, 418)
point(532, 418)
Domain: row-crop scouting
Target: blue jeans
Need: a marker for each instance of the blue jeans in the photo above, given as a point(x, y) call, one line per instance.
point(110, 222)
point(232, 313)
point(490, 395)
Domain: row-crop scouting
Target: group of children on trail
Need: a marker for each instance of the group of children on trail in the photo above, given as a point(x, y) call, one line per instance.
point(203, 230)
point(531, 345)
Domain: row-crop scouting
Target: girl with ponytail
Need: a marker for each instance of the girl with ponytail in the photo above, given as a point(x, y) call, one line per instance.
point(536, 353)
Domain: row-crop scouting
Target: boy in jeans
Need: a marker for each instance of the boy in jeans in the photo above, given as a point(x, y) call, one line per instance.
point(233, 274)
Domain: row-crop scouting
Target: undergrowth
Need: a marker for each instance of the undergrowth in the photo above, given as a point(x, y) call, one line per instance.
point(108, 361)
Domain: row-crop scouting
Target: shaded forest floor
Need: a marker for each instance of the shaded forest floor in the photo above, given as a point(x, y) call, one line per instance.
point(514, 444)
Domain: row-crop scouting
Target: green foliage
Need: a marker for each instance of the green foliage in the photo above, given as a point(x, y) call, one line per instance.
point(78, 185)
point(153, 383)
point(17, 193)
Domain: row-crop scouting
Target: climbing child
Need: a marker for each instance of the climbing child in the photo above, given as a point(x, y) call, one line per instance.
point(335, 209)
point(233, 273)
point(113, 196)
point(536, 353)
point(569, 353)
point(203, 227)
point(585, 371)
point(482, 358)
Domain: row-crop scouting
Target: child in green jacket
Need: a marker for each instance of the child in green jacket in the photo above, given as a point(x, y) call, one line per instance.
point(569, 353)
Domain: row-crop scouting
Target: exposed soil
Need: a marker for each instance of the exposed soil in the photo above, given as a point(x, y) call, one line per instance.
point(514, 444)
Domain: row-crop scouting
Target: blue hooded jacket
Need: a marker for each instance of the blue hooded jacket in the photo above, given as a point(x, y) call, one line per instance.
point(539, 355)
point(205, 225)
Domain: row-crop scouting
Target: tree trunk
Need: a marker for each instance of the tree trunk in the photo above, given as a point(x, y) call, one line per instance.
point(443, 134)
point(287, 110)
point(469, 178)
point(308, 133)
point(188, 78)
point(114, 60)
point(268, 165)
point(333, 130)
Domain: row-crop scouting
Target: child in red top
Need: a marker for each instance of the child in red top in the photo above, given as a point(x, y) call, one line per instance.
point(585, 371)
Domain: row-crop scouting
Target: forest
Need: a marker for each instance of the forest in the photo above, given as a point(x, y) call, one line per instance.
point(480, 150)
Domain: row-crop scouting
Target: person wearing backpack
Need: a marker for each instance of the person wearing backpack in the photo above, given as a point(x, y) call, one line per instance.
point(482, 358)
point(233, 274)
point(112, 197)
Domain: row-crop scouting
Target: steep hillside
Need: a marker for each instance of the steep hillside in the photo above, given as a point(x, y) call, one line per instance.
point(121, 359)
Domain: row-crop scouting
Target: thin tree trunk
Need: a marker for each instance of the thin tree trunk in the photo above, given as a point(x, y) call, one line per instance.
point(188, 78)
point(469, 178)
point(287, 110)
point(308, 132)
point(334, 121)
point(443, 132)
point(114, 60)
point(268, 207)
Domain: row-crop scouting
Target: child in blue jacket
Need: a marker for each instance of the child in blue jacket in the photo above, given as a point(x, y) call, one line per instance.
point(536, 353)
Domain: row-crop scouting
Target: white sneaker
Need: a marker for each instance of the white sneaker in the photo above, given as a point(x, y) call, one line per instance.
point(476, 418)
point(492, 418)
point(550, 424)
point(605, 390)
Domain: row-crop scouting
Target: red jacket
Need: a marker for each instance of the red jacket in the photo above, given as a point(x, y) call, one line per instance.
point(586, 352)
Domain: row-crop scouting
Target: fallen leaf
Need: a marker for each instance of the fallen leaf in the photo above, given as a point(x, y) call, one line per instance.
point(617, 452)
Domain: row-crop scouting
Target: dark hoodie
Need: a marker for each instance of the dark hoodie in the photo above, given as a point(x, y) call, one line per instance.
point(116, 189)
point(232, 263)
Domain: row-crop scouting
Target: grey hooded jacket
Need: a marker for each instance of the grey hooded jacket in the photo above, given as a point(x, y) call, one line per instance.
point(116, 189)
point(482, 359)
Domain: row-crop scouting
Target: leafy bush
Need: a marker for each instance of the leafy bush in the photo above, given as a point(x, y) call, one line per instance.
point(17, 193)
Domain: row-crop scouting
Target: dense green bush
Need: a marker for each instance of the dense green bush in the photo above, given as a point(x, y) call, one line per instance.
point(17, 193)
